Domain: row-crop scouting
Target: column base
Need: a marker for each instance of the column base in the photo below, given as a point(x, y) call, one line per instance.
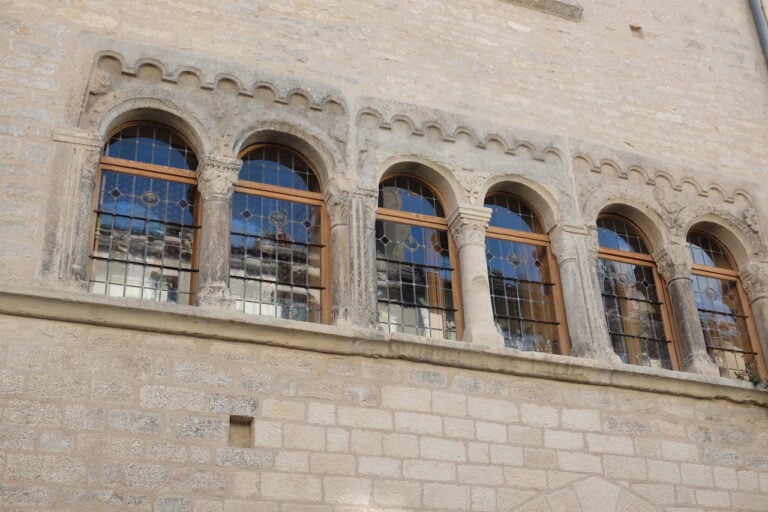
point(487, 337)
point(215, 297)
point(702, 365)
point(597, 353)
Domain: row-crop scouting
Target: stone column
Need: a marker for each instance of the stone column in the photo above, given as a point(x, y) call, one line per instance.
point(467, 225)
point(70, 221)
point(674, 264)
point(216, 184)
point(755, 280)
point(575, 249)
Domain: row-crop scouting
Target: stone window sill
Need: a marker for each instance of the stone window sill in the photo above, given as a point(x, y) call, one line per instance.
point(86, 308)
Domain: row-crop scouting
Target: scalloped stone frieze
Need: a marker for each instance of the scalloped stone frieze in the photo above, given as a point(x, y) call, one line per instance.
point(449, 128)
point(674, 178)
point(159, 64)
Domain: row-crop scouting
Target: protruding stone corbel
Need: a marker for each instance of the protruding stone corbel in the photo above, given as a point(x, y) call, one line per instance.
point(467, 225)
point(216, 184)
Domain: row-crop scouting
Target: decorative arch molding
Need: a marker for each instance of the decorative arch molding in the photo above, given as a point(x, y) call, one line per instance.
point(739, 233)
point(441, 177)
point(155, 106)
point(592, 494)
point(539, 196)
point(447, 128)
point(635, 205)
point(209, 77)
point(290, 131)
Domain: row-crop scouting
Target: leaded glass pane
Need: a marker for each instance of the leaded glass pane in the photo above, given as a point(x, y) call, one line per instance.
point(633, 313)
point(724, 325)
point(414, 274)
point(273, 165)
point(705, 250)
point(151, 144)
point(614, 233)
point(409, 195)
point(144, 237)
point(275, 257)
point(508, 212)
point(522, 295)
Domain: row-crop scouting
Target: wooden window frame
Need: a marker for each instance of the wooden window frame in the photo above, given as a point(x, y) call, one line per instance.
point(438, 224)
point(147, 170)
point(732, 275)
point(646, 260)
point(255, 188)
point(541, 240)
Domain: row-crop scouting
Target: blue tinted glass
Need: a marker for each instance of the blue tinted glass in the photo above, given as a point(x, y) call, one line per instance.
point(272, 165)
point(409, 195)
point(614, 233)
point(508, 212)
point(151, 144)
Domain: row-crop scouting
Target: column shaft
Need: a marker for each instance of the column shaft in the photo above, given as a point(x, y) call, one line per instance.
point(468, 229)
point(216, 185)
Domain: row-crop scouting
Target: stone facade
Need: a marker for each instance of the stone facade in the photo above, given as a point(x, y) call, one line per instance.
point(651, 111)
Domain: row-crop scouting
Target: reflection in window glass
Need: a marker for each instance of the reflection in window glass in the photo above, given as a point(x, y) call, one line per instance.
point(145, 227)
point(633, 307)
point(521, 284)
point(276, 243)
point(721, 312)
point(413, 264)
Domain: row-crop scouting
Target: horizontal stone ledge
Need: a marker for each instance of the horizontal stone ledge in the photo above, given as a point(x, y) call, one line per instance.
point(564, 8)
point(97, 310)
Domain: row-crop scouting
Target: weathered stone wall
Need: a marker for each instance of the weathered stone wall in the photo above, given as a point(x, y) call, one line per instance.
point(648, 109)
point(98, 418)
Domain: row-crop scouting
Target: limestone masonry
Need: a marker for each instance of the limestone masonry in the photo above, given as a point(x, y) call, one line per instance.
point(651, 114)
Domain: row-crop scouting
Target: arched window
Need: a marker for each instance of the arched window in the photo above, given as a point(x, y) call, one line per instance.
point(633, 296)
point(414, 267)
point(723, 311)
point(144, 238)
point(277, 236)
point(525, 293)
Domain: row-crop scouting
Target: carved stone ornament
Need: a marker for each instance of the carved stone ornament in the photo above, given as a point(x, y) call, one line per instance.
point(91, 156)
point(473, 183)
point(217, 178)
point(755, 280)
point(338, 202)
point(564, 245)
point(750, 219)
point(468, 229)
point(673, 262)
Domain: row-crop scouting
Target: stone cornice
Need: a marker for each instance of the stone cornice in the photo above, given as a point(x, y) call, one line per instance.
point(88, 309)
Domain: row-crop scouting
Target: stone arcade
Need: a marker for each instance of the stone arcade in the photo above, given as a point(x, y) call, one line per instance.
point(594, 118)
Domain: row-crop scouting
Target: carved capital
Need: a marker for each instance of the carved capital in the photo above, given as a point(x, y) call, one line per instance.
point(673, 262)
point(366, 201)
point(217, 178)
point(338, 203)
point(565, 242)
point(755, 280)
point(90, 163)
point(468, 224)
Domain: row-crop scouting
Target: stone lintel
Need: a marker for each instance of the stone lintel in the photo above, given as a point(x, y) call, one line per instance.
point(174, 319)
point(567, 9)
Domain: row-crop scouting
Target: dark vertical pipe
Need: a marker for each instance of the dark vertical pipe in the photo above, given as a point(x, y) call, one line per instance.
point(760, 23)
